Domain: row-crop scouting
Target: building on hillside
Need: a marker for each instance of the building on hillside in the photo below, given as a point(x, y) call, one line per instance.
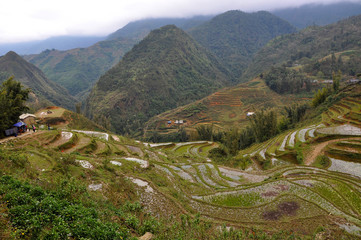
point(249, 114)
point(354, 80)
point(27, 118)
point(328, 81)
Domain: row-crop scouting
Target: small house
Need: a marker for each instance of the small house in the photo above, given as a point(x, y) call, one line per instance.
point(355, 80)
point(328, 81)
point(249, 114)
point(27, 118)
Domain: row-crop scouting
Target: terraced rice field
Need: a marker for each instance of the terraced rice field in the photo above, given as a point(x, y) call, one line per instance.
point(273, 194)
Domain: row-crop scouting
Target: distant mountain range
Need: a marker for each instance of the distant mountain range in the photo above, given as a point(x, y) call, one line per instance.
point(60, 43)
point(318, 14)
point(166, 69)
point(300, 17)
point(139, 29)
point(44, 92)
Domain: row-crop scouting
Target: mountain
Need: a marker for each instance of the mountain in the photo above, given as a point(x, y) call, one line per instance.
point(318, 14)
point(60, 43)
point(310, 44)
point(165, 70)
point(236, 36)
point(44, 91)
point(139, 29)
point(78, 69)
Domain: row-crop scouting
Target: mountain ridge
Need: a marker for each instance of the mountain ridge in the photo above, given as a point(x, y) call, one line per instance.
point(30, 76)
point(166, 69)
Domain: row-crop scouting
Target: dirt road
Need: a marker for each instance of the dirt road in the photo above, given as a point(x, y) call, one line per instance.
point(319, 149)
point(19, 136)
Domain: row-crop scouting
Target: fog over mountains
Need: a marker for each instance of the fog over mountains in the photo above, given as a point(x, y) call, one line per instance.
point(300, 17)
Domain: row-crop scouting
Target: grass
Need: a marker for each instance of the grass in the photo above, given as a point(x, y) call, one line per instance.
point(243, 200)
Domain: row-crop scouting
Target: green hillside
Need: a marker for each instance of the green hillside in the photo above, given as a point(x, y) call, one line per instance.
point(78, 69)
point(44, 91)
point(223, 110)
point(165, 70)
point(308, 45)
point(301, 184)
point(236, 36)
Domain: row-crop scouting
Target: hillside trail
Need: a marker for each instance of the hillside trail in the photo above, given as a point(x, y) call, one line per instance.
point(318, 149)
point(20, 136)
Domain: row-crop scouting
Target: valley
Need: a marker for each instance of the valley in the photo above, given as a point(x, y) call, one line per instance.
point(228, 126)
point(272, 194)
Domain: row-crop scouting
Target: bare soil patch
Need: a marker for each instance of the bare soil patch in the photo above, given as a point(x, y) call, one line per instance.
point(284, 208)
point(288, 208)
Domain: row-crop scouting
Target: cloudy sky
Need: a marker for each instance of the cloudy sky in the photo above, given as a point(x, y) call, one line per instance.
point(26, 20)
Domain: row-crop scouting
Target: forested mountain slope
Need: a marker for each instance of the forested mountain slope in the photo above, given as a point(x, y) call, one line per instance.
point(236, 36)
point(78, 69)
point(45, 92)
point(310, 44)
point(165, 70)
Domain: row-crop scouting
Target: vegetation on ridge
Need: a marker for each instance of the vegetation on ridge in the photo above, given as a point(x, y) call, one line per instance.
point(165, 70)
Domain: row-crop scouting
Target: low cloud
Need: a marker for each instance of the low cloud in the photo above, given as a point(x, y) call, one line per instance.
point(25, 20)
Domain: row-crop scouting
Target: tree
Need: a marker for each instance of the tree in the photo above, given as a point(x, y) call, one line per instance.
point(12, 103)
point(205, 132)
point(264, 125)
point(336, 80)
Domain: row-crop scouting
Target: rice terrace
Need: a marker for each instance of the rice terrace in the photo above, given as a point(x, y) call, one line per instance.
point(188, 122)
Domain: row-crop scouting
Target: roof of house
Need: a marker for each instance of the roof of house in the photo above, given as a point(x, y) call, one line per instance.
point(26, 115)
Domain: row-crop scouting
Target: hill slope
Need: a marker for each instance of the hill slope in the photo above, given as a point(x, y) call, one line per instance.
point(165, 70)
point(309, 44)
point(223, 109)
point(236, 36)
point(46, 92)
point(78, 69)
point(106, 186)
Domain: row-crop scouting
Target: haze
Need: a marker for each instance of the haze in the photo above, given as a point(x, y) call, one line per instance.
point(25, 20)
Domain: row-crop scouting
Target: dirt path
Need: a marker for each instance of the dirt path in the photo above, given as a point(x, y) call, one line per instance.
point(20, 136)
point(318, 149)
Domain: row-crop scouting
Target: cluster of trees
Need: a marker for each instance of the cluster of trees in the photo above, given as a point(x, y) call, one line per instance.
point(12, 103)
point(322, 94)
point(263, 126)
point(326, 68)
point(283, 80)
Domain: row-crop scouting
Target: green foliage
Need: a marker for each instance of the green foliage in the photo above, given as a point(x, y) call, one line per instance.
point(37, 213)
point(78, 69)
point(320, 96)
point(12, 103)
point(205, 132)
point(322, 161)
point(308, 45)
point(264, 125)
point(46, 92)
point(165, 70)
point(283, 80)
point(336, 81)
point(236, 36)
point(299, 153)
point(294, 114)
point(241, 200)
